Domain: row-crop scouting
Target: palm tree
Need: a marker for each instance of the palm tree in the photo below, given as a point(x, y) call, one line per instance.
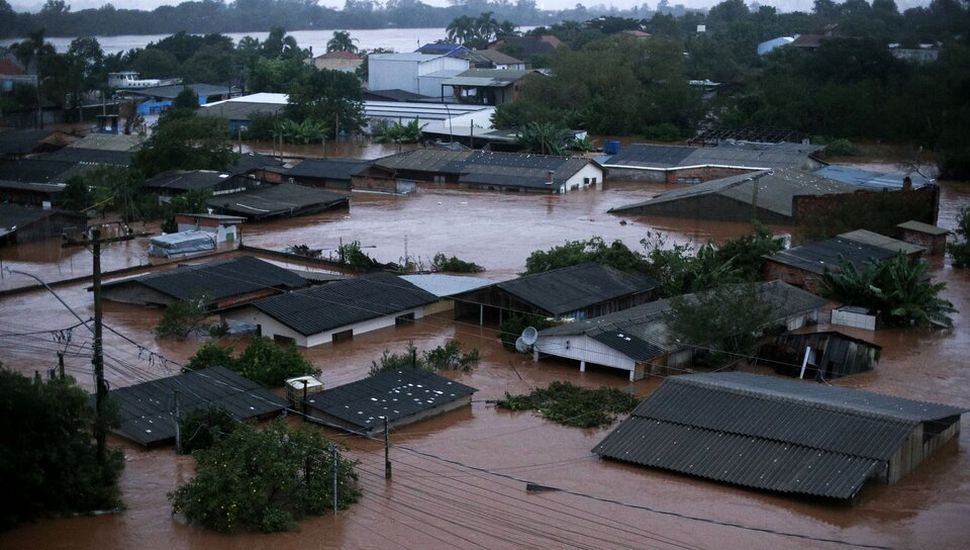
point(544, 138)
point(462, 30)
point(487, 27)
point(341, 42)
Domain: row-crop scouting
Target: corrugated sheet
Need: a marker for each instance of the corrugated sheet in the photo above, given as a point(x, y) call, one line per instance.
point(569, 289)
point(335, 169)
point(396, 395)
point(270, 201)
point(90, 156)
point(875, 239)
point(343, 303)
point(769, 433)
point(822, 256)
point(146, 410)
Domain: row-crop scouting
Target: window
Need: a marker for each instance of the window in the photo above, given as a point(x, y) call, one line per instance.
point(342, 336)
point(585, 181)
point(283, 340)
point(404, 319)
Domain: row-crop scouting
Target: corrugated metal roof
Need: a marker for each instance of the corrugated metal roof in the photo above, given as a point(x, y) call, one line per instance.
point(21, 142)
point(869, 178)
point(217, 280)
point(186, 180)
point(35, 170)
point(822, 256)
point(741, 154)
point(90, 156)
point(446, 285)
point(769, 433)
point(395, 395)
point(269, 201)
point(568, 289)
point(337, 169)
point(343, 303)
point(49, 188)
point(146, 410)
point(875, 239)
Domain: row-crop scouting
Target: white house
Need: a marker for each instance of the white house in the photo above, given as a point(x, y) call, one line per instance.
point(412, 72)
point(336, 311)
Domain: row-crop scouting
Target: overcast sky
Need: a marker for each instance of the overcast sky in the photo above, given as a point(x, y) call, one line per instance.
point(784, 5)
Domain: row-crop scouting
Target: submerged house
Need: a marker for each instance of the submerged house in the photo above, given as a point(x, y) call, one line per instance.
point(803, 266)
point(336, 311)
point(401, 397)
point(781, 435)
point(640, 341)
point(22, 224)
point(276, 201)
point(575, 292)
point(219, 285)
point(831, 354)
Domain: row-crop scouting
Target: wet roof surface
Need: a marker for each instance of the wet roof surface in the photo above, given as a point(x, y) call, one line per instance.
point(90, 156)
point(145, 410)
point(270, 201)
point(396, 395)
point(822, 256)
point(768, 433)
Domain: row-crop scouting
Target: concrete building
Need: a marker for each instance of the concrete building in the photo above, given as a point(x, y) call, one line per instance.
point(336, 311)
point(412, 72)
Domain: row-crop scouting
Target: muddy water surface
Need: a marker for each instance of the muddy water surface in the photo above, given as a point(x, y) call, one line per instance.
point(433, 503)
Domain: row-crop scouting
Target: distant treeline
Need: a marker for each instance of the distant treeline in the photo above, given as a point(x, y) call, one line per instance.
point(209, 16)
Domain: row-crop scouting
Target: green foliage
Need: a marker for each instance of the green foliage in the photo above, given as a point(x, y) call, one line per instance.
point(182, 318)
point(306, 132)
point(839, 148)
point(47, 458)
point(76, 195)
point(265, 480)
point(664, 131)
point(352, 255)
point(203, 428)
point(594, 249)
point(899, 290)
point(262, 361)
point(341, 42)
point(477, 32)
point(571, 405)
point(746, 254)
point(395, 132)
point(440, 262)
point(511, 328)
point(185, 143)
point(186, 99)
point(544, 138)
point(263, 126)
point(726, 320)
point(192, 202)
point(331, 98)
point(447, 357)
point(960, 250)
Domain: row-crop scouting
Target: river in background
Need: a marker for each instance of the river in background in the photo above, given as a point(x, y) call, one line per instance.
point(399, 40)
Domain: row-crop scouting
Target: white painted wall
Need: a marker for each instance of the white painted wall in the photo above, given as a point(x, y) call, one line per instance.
point(589, 171)
point(271, 327)
point(584, 349)
point(401, 71)
point(221, 232)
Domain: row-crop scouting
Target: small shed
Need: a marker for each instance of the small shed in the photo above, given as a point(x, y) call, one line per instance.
point(804, 265)
point(782, 435)
point(875, 239)
point(225, 228)
point(855, 317)
point(183, 242)
point(401, 396)
point(928, 236)
point(832, 354)
point(147, 411)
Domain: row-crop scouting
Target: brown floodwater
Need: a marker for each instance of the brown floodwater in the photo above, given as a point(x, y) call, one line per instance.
point(432, 503)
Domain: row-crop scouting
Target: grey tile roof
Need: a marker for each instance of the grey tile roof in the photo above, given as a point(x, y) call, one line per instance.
point(572, 288)
point(145, 410)
point(498, 57)
point(425, 160)
point(913, 225)
point(822, 256)
point(15, 215)
point(396, 395)
point(186, 180)
point(218, 280)
point(270, 201)
point(775, 190)
point(870, 179)
point(341, 303)
point(252, 161)
point(769, 433)
point(335, 169)
point(875, 239)
point(488, 167)
point(90, 156)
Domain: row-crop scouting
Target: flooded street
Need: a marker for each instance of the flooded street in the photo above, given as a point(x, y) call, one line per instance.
point(459, 480)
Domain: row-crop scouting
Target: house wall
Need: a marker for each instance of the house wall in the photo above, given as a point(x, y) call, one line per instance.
point(914, 450)
point(811, 282)
point(855, 320)
point(935, 244)
point(896, 206)
point(51, 226)
point(397, 74)
point(708, 207)
point(344, 65)
point(584, 349)
point(590, 172)
point(271, 328)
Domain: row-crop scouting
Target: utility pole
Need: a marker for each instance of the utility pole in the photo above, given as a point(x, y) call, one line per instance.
point(387, 453)
point(335, 462)
point(60, 364)
point(178, 424)
point(98, 359)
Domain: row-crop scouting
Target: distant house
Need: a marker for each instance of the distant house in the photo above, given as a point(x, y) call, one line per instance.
point(239, 111)
point(780, 435)
point(331, 173)
point(928, 236)
point(803, 266)
point(172, 183)
point(640, 341)
point(13, 74)
point(692, 165)
point(346, 62)
point(225, 228)
point(525, 47)
point(474, 58)
point(31, 194)
point(276, 201)
point(412, 72)
point(500, 60)
point(158, 99)
point(570, 293)
point(487, 170)
point(400, 397)
point(220, 285)
point(488, 86)
point(925, 53)
point(23, 224)
point(336, 311)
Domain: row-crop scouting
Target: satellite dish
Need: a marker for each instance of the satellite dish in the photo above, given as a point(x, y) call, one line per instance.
point(521, 346)
point(530, 335)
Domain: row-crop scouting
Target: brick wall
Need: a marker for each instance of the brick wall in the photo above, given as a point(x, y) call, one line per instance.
point(801, 278)
point(935, 244)
point(920, 204)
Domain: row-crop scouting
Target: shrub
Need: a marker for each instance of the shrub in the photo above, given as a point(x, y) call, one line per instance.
point(571, 405)
point(181, 318)
point(203, 428)
point(663, 132)
point(447, 357)
point(841, 148)
point(960, 250)
point(265, 480)
point(262, 361)
point(440, 262)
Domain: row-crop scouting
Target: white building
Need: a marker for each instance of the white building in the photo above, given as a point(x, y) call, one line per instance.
point(225, 228)
point(412, 72)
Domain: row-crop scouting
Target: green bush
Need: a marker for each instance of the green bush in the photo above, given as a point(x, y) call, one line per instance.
point(571, 405)
point(262, 361)
point(265, 480)
point(663, 132)
point(47, 460)
point(181, 318)
point(440, 262)
point(960, 250)
point(841, 148)
point(203, 428)
point(447, 357)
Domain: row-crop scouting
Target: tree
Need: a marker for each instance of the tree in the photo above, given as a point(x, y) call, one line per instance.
point(186, 143)
point(187, 99)
point(46, 454)
point(330, 98)
point(341, 42)
point(262, 361)
point(205, 427)
point(192, 202)
point(265, 480)
point(960, 250)
point(595, 249)
point(181, 318)
point(447, 357)
point(713, 320)
point(899, 290)
point(544, 138)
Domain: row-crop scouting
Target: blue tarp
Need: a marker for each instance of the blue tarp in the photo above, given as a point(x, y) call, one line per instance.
point(185, 242)
point(870, 178)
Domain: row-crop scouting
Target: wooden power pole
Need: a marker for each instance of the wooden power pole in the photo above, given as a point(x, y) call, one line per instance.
point(101, 394)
